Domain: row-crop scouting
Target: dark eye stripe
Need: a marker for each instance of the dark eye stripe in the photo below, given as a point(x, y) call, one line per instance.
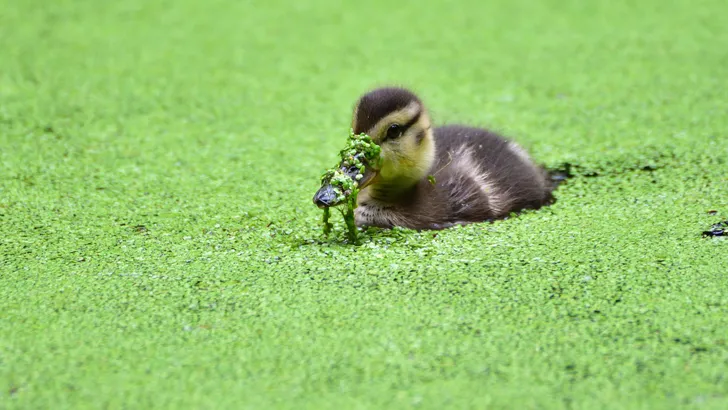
point(411, 122)
point(403, 128)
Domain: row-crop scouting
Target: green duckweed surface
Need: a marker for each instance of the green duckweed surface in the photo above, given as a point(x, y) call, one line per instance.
point(159, 247)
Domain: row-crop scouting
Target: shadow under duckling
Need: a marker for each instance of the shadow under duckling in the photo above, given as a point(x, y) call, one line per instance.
point(435, 178)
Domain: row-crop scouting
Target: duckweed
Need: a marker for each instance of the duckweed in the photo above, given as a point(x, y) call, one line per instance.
point(159, 249)
point(359, 153)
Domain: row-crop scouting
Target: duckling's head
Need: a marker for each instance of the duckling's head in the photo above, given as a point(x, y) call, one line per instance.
point(396, 120)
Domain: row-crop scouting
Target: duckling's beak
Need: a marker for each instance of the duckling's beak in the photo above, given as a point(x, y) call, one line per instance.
point(326, 195)
point(367, 178)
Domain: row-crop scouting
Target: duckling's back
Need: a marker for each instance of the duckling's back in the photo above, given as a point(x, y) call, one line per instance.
point(480, 176)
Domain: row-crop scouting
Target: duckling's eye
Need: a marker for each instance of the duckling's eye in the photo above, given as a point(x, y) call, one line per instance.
point(394, 131)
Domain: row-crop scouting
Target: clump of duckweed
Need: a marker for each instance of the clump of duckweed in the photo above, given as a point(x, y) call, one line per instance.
point(359, 153)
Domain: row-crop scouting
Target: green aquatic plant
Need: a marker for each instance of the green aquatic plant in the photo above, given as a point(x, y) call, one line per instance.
point(346, 178)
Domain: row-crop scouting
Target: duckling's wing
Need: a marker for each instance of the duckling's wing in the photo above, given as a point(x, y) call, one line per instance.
point(487, 176)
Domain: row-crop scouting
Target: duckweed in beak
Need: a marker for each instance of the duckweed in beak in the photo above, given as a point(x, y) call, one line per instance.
point(344, 180)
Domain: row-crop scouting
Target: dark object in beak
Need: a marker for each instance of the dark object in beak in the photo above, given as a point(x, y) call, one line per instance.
point(326, 195)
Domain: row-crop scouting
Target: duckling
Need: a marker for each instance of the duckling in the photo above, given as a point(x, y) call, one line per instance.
point(437, 177)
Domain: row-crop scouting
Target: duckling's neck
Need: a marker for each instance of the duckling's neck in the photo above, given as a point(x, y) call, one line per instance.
point(392, 192)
